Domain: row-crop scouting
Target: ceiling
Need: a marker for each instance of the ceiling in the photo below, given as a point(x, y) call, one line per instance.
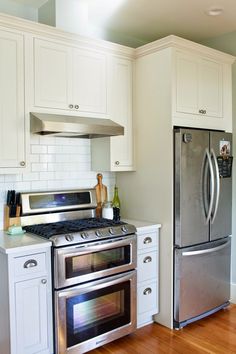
point(136, 22)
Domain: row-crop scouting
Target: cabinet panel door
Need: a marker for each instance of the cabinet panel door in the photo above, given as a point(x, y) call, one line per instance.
point(187, 83)
point(89, 81)
point(31, 316)
point(12, 119)
point(121, 113)
point(210, 88)
point(52, 75)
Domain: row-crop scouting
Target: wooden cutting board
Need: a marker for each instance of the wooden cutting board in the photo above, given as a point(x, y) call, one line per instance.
point(101, 195)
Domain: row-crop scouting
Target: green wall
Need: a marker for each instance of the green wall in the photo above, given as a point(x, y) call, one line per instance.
point(227, 43)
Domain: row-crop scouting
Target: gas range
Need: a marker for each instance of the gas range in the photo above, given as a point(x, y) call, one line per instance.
point(78, 231)
point(68, 218)
point(93, 268)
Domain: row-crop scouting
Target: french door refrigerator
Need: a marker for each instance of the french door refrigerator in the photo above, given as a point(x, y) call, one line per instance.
point(202, 242)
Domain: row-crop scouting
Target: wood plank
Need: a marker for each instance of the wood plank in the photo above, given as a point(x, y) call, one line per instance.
point(214, 334)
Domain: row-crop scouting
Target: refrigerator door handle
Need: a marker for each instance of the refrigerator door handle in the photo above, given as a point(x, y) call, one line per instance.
point(217, 179)
point(212, 186)
point(210, 250)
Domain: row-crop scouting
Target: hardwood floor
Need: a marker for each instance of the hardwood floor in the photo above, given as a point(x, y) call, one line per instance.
point(214, 334)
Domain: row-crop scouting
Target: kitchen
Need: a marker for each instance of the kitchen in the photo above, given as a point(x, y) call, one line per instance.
point(50, 157)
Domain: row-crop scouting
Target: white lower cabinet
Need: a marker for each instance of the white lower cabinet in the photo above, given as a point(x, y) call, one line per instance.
point(31, 315)
point(28, 307)
point(147, 271)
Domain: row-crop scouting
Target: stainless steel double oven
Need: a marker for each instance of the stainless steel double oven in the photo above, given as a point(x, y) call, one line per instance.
point(94, 263)
point(95, 293)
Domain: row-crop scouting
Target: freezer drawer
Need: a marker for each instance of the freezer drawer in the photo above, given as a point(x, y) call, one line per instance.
point(202, 280)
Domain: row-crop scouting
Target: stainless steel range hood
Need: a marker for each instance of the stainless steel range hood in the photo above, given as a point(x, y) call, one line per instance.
point(74, 127)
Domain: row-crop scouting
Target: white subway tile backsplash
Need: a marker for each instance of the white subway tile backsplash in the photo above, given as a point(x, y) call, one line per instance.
point(56, 163)
point(39, 149)
point(38, 167)
point(34, 158)
point(31, 176)
point(47, 158)
point(46, 176)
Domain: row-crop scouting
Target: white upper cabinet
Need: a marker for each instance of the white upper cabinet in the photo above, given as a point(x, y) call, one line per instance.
point(198, 85)
point(116, 153)
point(52, 75)
point(89, 81)
point(12, 115)
point(70, 78)
point(201, 91)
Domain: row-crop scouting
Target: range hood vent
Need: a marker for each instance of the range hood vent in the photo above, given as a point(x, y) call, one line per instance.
point(73, 127)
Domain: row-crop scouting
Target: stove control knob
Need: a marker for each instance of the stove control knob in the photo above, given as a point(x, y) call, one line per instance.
point(69, 238)
point(111, 231)
point(84, 235)
point(124, 228)
point(98, 233)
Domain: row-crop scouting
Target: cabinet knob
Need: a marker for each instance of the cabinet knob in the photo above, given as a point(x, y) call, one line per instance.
point(117, 163)
point(147, 240)
point(204, 111)
point(201, 111)
point(71, 106)
point(147, 291)
point(76, 106)
point(44, 281)
point(22, 163)
point(30, 263)
point(147, 259)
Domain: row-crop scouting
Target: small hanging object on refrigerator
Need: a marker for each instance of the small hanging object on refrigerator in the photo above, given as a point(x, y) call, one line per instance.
point(101, 195)
point(116, 205)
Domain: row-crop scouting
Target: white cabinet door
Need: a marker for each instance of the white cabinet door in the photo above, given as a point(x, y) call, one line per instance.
point(69, 78)
point(116, 153)
point(12, 118)
point(186, 84)
point(31, 316)
point(211, 87)
point(199, 86)
point(89, 81)
point(52, 75)
point(121, 113)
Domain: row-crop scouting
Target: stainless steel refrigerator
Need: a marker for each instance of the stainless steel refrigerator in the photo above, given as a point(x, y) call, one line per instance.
point(203, 212)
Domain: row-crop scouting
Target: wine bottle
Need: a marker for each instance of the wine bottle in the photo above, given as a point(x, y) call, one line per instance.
point(116, 205)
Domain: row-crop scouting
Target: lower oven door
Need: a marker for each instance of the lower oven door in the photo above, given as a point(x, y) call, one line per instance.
point(92, 314)
point(81, 263)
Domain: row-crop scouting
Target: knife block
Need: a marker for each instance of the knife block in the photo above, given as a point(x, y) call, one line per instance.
point(10, 221)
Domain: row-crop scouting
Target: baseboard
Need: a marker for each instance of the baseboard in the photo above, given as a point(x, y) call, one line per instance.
point(233, 293)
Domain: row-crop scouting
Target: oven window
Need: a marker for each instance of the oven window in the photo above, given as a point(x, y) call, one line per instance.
point(97, 261)
point(97, 312)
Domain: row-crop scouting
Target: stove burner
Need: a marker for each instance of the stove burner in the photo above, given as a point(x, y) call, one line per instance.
point(70, 226)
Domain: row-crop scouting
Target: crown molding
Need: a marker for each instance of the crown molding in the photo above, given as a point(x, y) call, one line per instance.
point(38, 29)
point(184, 44)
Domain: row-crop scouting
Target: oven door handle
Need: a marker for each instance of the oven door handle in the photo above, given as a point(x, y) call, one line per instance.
point(88, 248)
point(97, 284)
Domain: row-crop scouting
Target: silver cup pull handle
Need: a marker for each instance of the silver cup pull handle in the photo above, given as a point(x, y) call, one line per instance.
point(30, 263)
point(147, 240)
point(147, 259)
point(147, 291)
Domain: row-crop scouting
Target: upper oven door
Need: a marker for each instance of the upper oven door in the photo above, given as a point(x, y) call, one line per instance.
point(81, 263)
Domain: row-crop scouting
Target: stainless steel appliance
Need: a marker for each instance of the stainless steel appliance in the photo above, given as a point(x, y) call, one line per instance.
point(94, 263)
point(202, 243)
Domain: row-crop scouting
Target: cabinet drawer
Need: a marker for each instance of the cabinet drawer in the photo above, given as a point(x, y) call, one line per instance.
point(147, 297)
point(147, 266)
point(146, 241)
point(30, 264)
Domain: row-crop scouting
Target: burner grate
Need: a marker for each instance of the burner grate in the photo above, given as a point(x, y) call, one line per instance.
point(69, 226)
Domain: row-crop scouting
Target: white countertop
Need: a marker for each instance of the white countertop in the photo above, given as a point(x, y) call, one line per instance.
point(16, 243)
point(142, 225)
